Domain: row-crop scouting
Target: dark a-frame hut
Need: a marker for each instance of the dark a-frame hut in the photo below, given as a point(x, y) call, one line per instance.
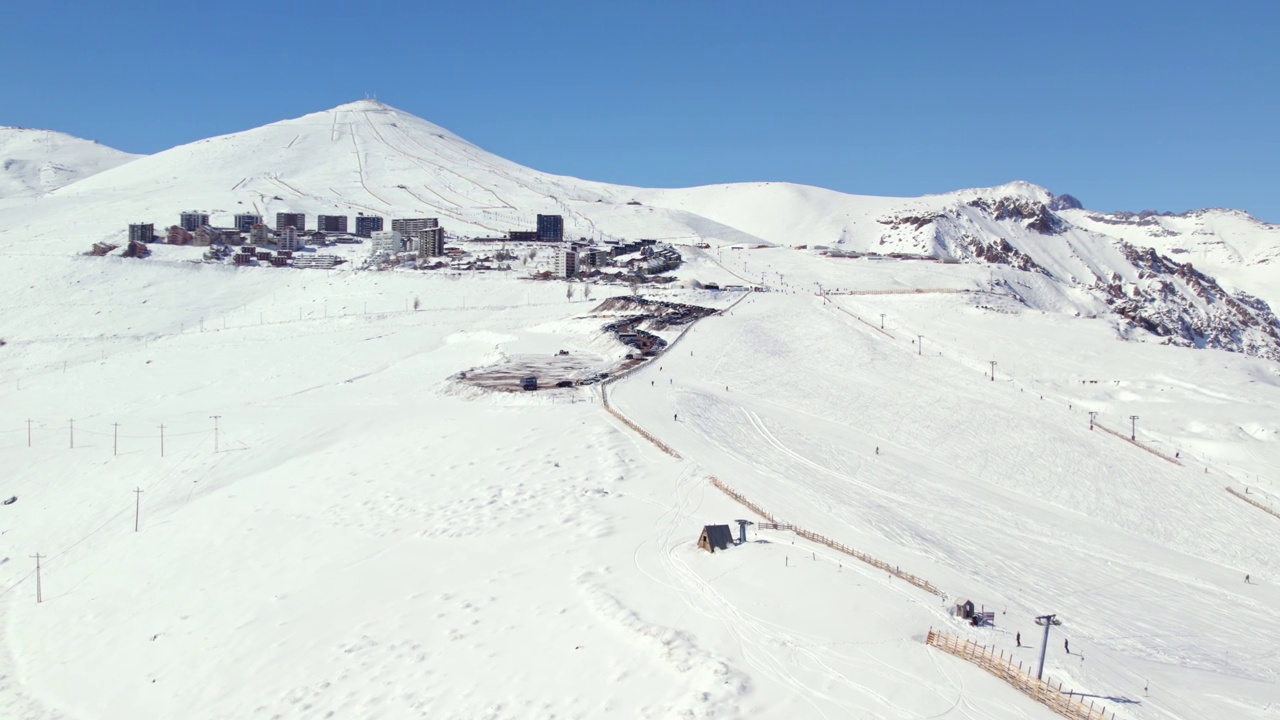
point(715, 537)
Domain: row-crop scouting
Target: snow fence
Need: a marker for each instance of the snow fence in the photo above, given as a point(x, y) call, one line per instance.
point(1253, 502)
point(1067, 704)
point(815, 537)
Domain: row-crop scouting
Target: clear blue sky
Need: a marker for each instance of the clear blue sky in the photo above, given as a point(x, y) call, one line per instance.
point(1165, 105)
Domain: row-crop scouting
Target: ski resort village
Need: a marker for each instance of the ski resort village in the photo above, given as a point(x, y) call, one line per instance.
point(411, 243)
point(346, 417)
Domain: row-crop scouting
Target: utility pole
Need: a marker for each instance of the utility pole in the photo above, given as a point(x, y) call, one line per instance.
point(28, 432)
point(137, 507)
point(1133, 428)
point(115, 438)
point(215, 431)
point(161, 439)
point(1047, 621)
point(71, 425)
point(39, 592)
point(881, 321)
point(1092, 414)
point(993, 370)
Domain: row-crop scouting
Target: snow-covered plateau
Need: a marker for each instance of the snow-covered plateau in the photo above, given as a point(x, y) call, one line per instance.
point(265, 492)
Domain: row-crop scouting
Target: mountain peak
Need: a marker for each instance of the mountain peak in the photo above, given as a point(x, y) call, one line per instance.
point(1018, 189)
point(366, 104)
point(35, 161)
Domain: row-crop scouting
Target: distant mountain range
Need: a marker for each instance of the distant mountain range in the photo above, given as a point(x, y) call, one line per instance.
point(1199, 279)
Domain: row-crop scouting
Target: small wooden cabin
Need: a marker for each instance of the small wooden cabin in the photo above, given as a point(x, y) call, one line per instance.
point(715, 537)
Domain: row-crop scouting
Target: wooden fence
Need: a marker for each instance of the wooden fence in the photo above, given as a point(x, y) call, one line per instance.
point(604, 388)
point(743, 501)
point(1066, 704)
point(1138, 443)
point(874, 562)
point(1253, 502)
point(815, 537)
point(604, 400)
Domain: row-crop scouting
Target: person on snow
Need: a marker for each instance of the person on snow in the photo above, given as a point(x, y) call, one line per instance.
point(1066, 645)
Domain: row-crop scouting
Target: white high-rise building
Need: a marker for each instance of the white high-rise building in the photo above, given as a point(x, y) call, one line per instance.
point(566, 263)
point(385, 243)
point(288, 239)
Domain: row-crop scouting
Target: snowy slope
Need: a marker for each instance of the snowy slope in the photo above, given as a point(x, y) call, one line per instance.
point(360, 157)
point(363, 536)
point(366, 157)
point(370, 539)
point(1023, 226)
point(34, 162)
point(1233, 246)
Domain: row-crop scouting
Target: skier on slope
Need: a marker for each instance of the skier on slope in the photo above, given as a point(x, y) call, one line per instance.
point(1018, 639)
point(1066, 645)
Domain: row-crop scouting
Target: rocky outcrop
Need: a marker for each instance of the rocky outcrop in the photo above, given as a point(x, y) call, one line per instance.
point(1035, 216)
point(1188, 308)
point(1145, 288)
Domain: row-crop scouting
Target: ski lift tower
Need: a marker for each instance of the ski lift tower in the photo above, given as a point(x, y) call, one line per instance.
point(742, 530)
point(1047, 621)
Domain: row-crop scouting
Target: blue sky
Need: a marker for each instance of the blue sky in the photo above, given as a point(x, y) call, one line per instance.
point(1169, 105)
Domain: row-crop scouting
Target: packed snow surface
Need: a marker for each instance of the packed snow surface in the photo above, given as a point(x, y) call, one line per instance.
point(362, 536)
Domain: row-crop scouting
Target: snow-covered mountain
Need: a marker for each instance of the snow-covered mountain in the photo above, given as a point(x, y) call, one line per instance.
point(1153, 275)
point(265, 492)
point(34, 162)
point(1233, 246)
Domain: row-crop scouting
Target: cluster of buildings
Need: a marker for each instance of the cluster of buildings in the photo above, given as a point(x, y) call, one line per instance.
point(639, 257)
point(290, 233)
point(421, 236)
point(406, 240)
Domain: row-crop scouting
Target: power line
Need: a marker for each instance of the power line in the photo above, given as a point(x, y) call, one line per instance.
point(39, 590)
point(137, 507)
point(215, 431)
